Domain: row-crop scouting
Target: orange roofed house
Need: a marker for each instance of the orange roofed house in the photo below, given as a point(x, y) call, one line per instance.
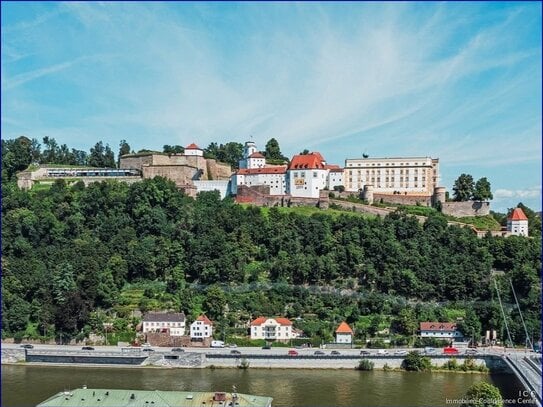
point(344, 333)
point(272, 329)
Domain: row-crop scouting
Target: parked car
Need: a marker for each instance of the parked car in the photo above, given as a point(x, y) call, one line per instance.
point(318, 353)
point(429, 350)
point(235, 352)
point(148, 350)
point(27, 346)
point(87, 348)
point(471, 351)
point(450, 351)
point(232, 345)
point(335, 353)
point(400, 353)
point(292, 352)
point(365, 352)
point(217, 344)
point(266, 347)
point(177, 350)
point(382, 352)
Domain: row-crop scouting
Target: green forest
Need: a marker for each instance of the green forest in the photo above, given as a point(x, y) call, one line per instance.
point(74, 257)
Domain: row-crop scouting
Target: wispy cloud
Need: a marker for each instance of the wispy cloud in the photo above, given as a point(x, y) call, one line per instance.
point(534, 192)
point(394, 79)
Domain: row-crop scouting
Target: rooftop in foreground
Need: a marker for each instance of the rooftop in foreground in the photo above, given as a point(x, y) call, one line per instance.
point(156, 398)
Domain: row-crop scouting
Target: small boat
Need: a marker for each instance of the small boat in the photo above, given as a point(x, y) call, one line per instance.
point(85, 397)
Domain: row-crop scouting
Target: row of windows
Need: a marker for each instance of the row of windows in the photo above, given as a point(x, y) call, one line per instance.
point(386, 164)
point(165, 323)
point(387, 172)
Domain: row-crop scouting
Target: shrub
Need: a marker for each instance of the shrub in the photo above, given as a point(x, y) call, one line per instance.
point(386, 367)
point(483, 394)
point(244, 364)
point(450, 364)
point(365, 364)
point(415, 362)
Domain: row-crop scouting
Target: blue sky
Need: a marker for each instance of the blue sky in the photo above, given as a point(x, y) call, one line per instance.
point(458, 81)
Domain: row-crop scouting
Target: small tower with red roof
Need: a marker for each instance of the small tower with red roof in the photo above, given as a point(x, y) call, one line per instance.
point(517, 223)
point(344, 333)
point(193, 149)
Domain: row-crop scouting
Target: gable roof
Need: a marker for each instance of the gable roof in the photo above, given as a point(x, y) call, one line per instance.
point(437, 326)
point(517, 214)
point(256, 154)
point(344, 328)
point(204, 319)
point(164, 316)
point(192, 146)
point(281, 169)
point(279, 320)
point(311, 161)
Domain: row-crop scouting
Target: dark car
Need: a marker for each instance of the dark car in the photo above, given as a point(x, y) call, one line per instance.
point(27, 346)
point(266, 347)
point(177, 350)
point(318, 353)
point(335, 353)
point(148, 350)
point(235, 352)
point(365, 352)
point(87, 348)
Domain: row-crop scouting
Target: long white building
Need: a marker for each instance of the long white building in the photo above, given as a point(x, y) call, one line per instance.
point(398, 175)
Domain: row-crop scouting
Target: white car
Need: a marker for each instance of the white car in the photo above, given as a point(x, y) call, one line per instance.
point(400, 353)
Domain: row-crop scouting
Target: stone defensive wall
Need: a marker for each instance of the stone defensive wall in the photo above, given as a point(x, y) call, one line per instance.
point(468, 208)
point(421, 200)
point(210, 169)
point(259, 196)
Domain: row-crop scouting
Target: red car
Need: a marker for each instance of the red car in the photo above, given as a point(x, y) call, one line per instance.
point(292, 352)
point(450, 351)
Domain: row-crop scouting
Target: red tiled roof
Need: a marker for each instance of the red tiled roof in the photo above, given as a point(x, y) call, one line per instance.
point(205, 319)
point(437, 326)
point(261, 320)
point(256, 154)
point(192, 146)
point(311, 161)
point(264, 170)
point(518, 214)
point(344, 328)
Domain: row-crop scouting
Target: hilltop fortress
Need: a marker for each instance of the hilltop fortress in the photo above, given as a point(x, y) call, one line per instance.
point(308, 179)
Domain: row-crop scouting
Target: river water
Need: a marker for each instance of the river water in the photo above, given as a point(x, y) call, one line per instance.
point(29, 385)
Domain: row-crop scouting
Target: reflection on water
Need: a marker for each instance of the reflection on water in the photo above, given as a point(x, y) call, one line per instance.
point(29, 385)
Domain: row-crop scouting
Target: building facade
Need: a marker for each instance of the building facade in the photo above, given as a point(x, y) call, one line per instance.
point(307, 175)
point(344, 333)
point(440, 330)
point(399, 175)
point(272, 329)
point(164, 322)
point(201, 328)
point(517, 223)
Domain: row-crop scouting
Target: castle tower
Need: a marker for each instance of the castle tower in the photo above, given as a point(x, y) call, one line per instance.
point(250, 148)
point(439, 195)
point(517, 223)
point(368, 193)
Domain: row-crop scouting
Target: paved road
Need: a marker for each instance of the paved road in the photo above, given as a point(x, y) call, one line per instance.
point(256, 350)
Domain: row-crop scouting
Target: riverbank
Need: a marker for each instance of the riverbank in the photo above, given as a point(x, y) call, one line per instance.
point(198, 360)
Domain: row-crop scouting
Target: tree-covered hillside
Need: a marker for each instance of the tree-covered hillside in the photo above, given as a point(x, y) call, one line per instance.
point(71, 254)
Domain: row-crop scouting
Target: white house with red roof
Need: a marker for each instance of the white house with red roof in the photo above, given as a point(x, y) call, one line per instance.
point(344, 333)
point(517, 223)
point(440, 330)
point(272, 329)
point(193, 149)
point(307, 175)
point(201, 328)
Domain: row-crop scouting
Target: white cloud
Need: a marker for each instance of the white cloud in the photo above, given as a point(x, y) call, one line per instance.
point(533, 192)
